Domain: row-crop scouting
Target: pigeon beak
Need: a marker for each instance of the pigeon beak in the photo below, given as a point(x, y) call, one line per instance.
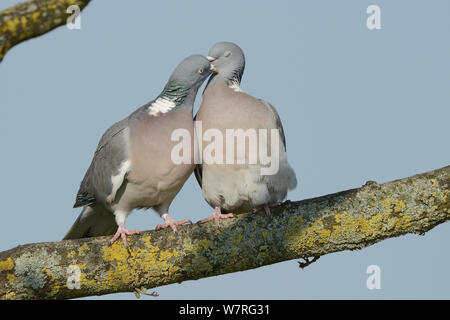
point(214, 69)
point(211, 59)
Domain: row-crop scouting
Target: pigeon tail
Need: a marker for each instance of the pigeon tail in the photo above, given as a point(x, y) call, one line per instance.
point(93, 221)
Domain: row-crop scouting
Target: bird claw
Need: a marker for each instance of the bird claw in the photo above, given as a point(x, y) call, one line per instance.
point(266, 208)
point(123, 233)
point(172, 223)
point(216, 216)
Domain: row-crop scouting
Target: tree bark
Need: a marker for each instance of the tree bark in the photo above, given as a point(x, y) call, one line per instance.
point(31, 19)
point(346, 220)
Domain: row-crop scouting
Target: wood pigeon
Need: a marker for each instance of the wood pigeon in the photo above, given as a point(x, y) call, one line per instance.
point(133, 166)
point(235, 186)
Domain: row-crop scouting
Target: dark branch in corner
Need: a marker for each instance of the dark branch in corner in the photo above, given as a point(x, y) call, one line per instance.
point(31, 19)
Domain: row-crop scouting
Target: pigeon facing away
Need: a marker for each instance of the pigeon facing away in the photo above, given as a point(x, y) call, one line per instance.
point(132, 166)
point(239, 187)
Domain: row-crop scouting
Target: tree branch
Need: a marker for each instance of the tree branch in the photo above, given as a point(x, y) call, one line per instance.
point(346, 220)
point(31, 19)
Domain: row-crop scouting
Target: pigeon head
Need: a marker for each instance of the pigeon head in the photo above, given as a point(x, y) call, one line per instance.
point(191, 72)
point(228, 61)
point(186, 79)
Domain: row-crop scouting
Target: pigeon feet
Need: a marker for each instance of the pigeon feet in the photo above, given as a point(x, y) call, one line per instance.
point(123, 233)
point(172, 223)
point(217, 215)
point(266, 208)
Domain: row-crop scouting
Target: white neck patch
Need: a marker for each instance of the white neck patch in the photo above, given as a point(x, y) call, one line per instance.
point(161, 105)
point(235, 86)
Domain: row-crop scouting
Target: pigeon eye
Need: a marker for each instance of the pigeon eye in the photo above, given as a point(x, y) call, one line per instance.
point(200, 70)
point(227, 54)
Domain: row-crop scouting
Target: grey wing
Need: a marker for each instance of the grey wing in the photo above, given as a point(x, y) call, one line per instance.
point(277, 121)
point(198, 174)
point(108, 162)
point(198, 168)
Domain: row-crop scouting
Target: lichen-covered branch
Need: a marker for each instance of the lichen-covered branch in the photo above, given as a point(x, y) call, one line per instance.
point(31, 19)
point(347, 220)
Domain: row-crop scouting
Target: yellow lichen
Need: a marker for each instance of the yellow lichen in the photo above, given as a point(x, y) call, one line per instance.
point(394, 205)
point(55, 286)
point(35, 16)
point(205, 244)
point(237, 238)
point(71, 254)
point(10, 295)
point(444, 195)
point(324, 235)
point(83, 250)
point(265, 234)
point(199, 262)
point(7, 264)
point(11, 277)
point(11, 26)
point(295, 223)
point(91, 283)
point(262, 253)
point(167, 255)
point(347, 226)
point(402, 222)
point(308, 235)
point(188, 245)
point(137, 266)
point(23, 22)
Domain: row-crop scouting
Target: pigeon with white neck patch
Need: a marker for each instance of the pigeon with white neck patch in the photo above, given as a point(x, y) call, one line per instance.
point(240, 187)
point(133, 166)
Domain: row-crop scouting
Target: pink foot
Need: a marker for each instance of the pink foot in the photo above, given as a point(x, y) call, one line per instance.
point(217, 215)
point(266, 208)
point(171, 223)
point(123, 233)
